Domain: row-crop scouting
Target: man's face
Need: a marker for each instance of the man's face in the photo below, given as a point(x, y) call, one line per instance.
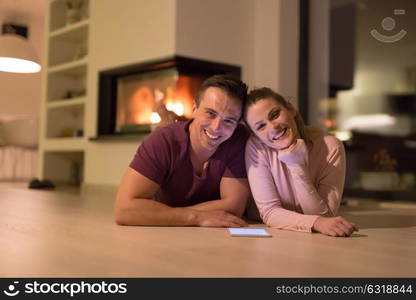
point(215, 119)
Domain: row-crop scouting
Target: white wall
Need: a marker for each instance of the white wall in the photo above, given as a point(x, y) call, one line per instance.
point(318, 60)
point(259, 35)
point(21, 93)
point(275, 42)
point(287, 49)
point(217, 30)
point(122, 32)
point(266, 43)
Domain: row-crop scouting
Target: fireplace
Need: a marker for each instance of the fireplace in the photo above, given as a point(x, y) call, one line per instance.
point(128, 95)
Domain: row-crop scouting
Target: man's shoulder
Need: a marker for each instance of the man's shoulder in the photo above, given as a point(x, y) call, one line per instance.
point(158, 150)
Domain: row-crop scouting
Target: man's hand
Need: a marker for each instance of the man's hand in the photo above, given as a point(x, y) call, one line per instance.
point(218, 218)
point(295, 154)
point(334, 226)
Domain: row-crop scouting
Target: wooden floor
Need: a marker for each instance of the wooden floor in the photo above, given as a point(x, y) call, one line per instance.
point(57, 234)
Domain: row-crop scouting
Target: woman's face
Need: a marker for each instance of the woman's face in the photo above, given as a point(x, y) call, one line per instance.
point(272, 123)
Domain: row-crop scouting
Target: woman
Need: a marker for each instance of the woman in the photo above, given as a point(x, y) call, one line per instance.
point(296, 173)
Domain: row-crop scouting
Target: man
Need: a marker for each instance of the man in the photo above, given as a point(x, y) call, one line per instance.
point(191, 173)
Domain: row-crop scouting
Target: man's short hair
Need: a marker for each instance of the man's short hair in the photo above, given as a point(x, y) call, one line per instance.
point(233, 86)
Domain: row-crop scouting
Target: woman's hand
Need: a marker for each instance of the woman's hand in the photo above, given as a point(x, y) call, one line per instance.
point(295, 154)
point(334, 226)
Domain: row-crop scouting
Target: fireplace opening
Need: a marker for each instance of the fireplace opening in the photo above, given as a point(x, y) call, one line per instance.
point(129, 96)
point(139, 95)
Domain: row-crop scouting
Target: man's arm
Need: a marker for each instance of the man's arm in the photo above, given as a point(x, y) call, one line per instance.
point(135, 206)
point(234, 194)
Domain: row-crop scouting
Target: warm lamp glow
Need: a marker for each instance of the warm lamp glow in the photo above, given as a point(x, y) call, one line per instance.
point(329, 123)
point(17, 55)
point(366, 121)
point(16, 65)
point(344, 135)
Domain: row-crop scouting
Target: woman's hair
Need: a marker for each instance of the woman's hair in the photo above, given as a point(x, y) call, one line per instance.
point(266, 93)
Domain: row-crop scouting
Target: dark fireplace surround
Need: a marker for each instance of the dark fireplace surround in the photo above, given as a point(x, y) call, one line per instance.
point(109, 86)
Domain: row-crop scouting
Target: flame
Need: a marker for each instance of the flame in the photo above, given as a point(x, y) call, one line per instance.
point(155, 118)
point(140, 105)
point(177, 107)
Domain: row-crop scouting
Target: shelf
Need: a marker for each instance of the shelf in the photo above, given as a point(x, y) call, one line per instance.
point(66, 102)
point(59, 14)
point(73, 68)
point(69, 31)
point(64, 144)
point(65, 121)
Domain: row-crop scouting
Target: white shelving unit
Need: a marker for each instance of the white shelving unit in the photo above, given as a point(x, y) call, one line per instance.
point(62, 142)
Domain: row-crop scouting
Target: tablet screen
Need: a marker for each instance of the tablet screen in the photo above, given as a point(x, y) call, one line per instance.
point(249, 232)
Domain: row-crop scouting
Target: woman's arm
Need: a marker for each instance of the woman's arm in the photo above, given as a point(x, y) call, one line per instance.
point(324, 198)
point(266, 196)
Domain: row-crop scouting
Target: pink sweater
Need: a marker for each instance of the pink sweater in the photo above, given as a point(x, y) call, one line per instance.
point(292, 189)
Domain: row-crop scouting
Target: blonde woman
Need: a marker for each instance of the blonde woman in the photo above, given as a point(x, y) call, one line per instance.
point(296, 174)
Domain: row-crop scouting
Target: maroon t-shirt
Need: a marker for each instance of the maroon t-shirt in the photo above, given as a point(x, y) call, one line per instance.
point(164, 158)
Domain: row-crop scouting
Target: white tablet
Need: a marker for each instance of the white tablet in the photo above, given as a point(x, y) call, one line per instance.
point(259, 232)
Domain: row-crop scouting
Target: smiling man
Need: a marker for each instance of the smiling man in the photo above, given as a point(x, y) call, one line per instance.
point(191, 173)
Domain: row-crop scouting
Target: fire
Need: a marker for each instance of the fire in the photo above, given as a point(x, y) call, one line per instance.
point(177, 107)
point(155, 118)
point(150, 103)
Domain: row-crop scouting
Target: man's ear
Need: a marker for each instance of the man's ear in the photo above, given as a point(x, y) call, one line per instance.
point(194, 107)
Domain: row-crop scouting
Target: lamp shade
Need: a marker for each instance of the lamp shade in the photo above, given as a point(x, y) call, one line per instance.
point(17, 55)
